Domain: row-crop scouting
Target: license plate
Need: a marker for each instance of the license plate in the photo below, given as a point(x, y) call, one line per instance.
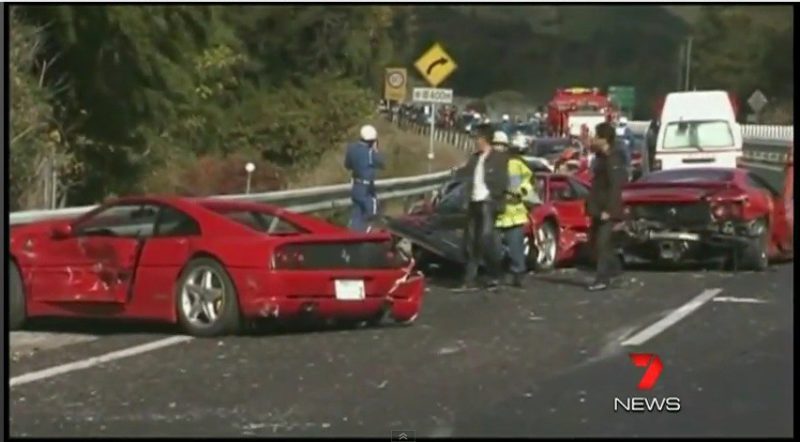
point(349, 289)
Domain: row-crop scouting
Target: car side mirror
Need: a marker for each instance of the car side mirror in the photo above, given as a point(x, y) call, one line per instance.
point(62, 230)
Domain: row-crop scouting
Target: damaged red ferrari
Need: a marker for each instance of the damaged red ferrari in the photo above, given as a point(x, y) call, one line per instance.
point(207, 265)
point(736, 217)
point(556, 235)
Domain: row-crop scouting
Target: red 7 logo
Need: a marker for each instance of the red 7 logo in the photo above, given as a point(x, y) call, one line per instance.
point(654, 368)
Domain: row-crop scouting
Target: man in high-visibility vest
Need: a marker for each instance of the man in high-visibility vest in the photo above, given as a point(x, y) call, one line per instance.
point(512, 221)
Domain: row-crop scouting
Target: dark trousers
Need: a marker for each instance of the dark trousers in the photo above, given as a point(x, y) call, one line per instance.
point(514, 240)
point(479, 241)
point(365, 206)
point(605, 251)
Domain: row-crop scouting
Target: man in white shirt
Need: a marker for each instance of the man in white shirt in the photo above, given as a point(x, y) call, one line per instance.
point(485, 189)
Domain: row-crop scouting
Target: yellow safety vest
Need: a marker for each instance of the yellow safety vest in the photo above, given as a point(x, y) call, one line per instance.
point(520, 179)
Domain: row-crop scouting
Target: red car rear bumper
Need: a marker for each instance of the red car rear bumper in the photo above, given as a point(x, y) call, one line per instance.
point(268, 296)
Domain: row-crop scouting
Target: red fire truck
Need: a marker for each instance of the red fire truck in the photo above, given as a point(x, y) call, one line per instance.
point(572, 109)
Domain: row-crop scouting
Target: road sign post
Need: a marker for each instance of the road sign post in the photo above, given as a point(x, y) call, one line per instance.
point(435, 65)
point(430, 145)
point(432, 96)
point(395, 85)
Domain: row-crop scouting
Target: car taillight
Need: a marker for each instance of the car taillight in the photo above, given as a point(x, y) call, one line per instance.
point(727, 210)
point(288, 259)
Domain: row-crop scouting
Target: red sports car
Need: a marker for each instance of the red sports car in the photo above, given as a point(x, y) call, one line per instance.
point(206, 264)
point(558, 227)
point(734, 216)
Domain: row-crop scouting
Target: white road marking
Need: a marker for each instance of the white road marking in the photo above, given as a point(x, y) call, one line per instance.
point(672, 318)
point(96, 360)
point(739, 300)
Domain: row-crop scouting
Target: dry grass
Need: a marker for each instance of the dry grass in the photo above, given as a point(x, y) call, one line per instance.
point(405, 154)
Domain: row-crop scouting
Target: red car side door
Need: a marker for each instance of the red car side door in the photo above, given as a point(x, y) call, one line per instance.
point(103, 251)
point(781, 209)
point(163, 257)
point(56, 267)
point(569, 199)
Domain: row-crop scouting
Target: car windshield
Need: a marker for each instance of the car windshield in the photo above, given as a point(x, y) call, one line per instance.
point(692, 175)
point(702, 134)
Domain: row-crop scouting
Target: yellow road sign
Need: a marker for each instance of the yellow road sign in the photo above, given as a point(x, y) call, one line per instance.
point(395, 84)
point(435, 65)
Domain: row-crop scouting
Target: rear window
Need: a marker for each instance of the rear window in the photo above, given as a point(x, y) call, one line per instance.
point(698, 134)
point(694, 175)
point(261, 222)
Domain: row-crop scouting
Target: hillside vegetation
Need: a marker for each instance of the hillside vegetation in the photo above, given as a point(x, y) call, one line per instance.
point(534, 49)
point(121, 99)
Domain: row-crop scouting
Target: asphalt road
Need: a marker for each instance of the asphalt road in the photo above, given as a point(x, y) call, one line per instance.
point(546, 361)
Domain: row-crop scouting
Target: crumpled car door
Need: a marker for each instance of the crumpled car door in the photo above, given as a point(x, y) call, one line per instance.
point(113, 265)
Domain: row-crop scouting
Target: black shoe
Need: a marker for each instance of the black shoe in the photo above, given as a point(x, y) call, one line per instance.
point(597, 286)
point(516, 280)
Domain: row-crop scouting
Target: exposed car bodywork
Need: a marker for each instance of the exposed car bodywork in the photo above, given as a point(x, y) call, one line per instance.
point(708, 214)
point(435, 227)
point(129, 257)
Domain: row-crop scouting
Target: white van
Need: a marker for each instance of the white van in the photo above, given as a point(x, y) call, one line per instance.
point(698, 129)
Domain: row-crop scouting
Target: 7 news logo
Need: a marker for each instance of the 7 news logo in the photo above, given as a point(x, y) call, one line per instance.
point(653, 368)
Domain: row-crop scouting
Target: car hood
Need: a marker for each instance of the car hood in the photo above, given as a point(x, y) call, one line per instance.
point(676, 192)
point(438, 234)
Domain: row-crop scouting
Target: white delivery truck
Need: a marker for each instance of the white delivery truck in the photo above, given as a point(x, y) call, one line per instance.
point(698, 129)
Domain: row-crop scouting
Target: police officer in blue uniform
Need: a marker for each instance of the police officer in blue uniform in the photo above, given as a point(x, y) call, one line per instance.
point(363, 160)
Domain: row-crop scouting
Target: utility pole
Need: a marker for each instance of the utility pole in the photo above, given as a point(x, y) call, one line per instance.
point(679, 64)
point(688, 62)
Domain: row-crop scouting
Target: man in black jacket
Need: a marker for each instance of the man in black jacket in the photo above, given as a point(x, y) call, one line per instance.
point(604, 204)
point(487, 180)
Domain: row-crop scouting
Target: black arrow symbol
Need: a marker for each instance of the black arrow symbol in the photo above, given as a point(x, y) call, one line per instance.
point(441, 61)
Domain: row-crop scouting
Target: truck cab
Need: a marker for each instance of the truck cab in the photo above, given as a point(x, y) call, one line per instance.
point(698, 129)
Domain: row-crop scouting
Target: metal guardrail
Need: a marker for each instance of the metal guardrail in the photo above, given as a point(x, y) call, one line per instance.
point(771, 142)
point(749, 131)
point(300, 200)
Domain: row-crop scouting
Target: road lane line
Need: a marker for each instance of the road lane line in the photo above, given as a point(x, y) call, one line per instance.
point(96, 360)
point(740, 300)
point(672, 318)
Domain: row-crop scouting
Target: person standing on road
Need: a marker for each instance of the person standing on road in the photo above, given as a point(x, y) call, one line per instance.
point(604, 204)
point(363, 160)
point(485, 190)
point(511, 223)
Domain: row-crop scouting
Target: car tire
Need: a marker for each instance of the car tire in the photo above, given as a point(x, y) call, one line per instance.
point(224, 303)
point(17, 311)
point(756, 253)
point(536, 261)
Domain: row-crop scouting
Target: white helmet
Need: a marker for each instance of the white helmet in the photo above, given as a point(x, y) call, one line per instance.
point(623, 121)
point(368, 132)
point(505, 117)
point(500, 137)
